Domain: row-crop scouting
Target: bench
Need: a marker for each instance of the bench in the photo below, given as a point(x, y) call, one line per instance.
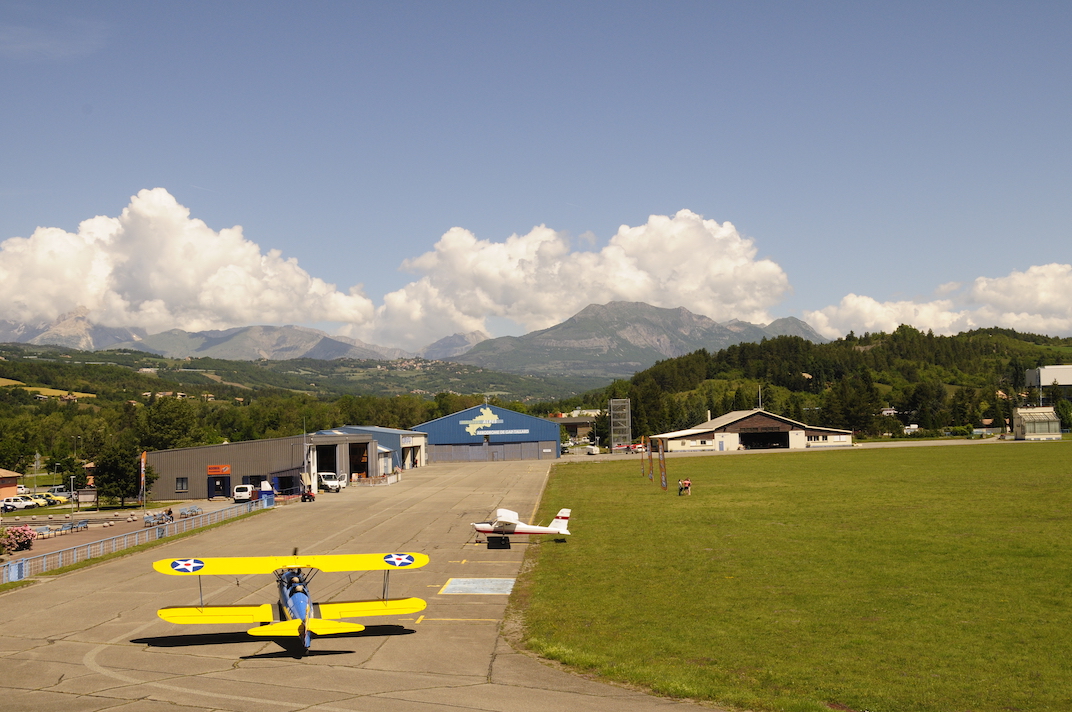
point(82, 524)
point(43, 532)
point(67, 527)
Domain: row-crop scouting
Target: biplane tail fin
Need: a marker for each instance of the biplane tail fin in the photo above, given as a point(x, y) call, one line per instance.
point(561, 521)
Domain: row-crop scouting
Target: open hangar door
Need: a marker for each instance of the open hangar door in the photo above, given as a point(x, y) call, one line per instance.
point(764, 441)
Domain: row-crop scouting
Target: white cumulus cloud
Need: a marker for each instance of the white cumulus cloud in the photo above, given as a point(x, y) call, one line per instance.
point(157, 268)
point(538, 279)
point(1039, 299)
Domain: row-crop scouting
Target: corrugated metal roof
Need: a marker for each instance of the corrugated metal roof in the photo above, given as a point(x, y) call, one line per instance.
point(500, 425)
point(736, 415)
point(1044, 417)
point(683, 433)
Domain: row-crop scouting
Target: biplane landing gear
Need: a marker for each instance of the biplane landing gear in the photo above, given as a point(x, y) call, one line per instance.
point(498, 542)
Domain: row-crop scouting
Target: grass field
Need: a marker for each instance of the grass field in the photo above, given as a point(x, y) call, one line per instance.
point(930, 578)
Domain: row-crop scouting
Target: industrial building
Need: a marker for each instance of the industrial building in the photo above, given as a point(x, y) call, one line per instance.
point(753, 429)
point(1045, 376)
point(488, 433)
point(1039, 423)
point(360, 453)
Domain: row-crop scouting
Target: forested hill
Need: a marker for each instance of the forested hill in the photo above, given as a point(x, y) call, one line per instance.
point(935, 381)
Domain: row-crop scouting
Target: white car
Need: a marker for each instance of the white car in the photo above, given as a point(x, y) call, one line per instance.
point(20, 502)
point(329, 481)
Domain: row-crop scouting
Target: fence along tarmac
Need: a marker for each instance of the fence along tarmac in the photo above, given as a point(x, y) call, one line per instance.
point(35, 565)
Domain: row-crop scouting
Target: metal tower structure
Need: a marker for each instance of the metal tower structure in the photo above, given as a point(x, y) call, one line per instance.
point(621, 424)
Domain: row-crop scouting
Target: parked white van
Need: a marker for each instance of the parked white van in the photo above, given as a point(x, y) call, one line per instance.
point(243, 493)
point(329, 481)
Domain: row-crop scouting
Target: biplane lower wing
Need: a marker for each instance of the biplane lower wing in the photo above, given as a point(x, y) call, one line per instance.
point(217, 614)
point(242, 565)
point(378, 607)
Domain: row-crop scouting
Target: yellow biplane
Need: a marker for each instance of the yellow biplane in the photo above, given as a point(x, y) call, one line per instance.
point(295, 615)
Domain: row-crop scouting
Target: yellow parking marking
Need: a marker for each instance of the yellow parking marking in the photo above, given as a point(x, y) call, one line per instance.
point(483, 561)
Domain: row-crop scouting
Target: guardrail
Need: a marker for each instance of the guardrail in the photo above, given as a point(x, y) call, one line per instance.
point(376, 481)
point(34, 565)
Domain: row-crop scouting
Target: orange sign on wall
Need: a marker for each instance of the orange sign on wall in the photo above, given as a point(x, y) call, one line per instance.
point(219, 469)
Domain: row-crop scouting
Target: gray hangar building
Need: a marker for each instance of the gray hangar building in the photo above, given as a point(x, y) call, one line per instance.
point(356, 452)
point(487, 433)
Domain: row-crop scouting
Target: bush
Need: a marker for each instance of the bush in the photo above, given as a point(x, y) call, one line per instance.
point(17, 538)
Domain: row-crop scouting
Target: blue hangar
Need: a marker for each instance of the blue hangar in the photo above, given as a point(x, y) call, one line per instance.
point(487, 433)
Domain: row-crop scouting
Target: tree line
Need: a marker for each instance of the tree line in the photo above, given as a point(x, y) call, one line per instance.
point(935, 382)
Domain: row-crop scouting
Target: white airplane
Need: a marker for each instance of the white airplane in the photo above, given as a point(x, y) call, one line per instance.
point(507, 523)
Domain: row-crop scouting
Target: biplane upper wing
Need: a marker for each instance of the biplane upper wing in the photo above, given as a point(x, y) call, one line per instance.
point(241, 565)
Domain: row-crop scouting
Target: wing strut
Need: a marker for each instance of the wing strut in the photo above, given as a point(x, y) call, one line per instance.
point(386, 582)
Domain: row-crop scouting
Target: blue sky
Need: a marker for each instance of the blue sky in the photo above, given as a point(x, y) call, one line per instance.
point(915, 156)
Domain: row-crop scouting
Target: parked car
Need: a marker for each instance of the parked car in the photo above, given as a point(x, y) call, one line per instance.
point(243, 493)
point(22, 489)
point(51, 500)
point(58, 490)
point(42, 500)
point(328, 481)
point(21, 502)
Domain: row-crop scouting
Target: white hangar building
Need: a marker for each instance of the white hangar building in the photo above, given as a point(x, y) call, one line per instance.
point(753, 430)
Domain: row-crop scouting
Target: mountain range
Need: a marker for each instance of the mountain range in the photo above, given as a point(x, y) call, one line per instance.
point(620, 338)
point(615, 339)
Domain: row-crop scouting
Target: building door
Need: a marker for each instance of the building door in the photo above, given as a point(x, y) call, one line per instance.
point(359, 460)
point(327, 458)
point(219, 487)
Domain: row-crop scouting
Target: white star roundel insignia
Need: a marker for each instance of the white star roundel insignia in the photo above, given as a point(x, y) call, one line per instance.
point(398, 559)
point(188, 566)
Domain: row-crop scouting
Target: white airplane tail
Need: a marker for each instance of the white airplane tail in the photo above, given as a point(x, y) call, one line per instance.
point(561, 521)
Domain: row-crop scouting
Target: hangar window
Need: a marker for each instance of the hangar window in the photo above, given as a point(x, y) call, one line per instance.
point(703, 442)
point(182, 484)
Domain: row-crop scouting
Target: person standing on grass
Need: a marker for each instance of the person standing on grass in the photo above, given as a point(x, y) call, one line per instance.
point(688, 486)
point(680, 488)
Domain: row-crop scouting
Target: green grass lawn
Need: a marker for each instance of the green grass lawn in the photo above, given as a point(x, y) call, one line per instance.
point(932, 578)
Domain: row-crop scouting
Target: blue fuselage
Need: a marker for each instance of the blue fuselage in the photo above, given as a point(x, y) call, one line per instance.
point(294, 599)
